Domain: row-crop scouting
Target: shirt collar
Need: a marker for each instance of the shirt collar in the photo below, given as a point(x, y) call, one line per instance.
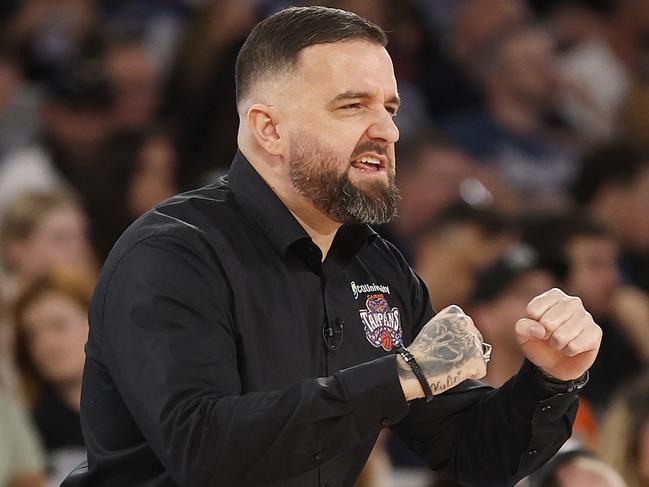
point(260, 203)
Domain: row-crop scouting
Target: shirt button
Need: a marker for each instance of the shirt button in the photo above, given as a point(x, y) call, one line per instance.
point(532, 451)
point(318, 455)
point(385, 421)
point(546, 408)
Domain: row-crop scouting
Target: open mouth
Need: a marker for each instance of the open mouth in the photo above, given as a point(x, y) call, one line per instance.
point(369, 163)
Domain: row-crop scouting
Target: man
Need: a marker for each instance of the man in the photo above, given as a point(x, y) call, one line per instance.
point(431, 171)
point(611, 187)
point(517, 68)
point(245, 333)
point(462, 240)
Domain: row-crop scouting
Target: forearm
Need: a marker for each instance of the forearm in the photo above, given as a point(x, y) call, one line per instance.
point(484, 436)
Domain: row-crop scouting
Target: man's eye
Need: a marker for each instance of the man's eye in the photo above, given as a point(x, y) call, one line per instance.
point(392, 111)
point(353, 106)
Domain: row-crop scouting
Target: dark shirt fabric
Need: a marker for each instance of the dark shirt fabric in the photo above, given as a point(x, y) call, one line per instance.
point(206, 364)
point(529, 163)
point(58, 425)
point(635, 268)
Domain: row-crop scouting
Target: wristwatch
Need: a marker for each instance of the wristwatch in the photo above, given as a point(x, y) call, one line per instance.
point(562, 386)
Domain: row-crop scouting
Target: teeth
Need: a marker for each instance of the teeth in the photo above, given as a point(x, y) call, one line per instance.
point(370, 160)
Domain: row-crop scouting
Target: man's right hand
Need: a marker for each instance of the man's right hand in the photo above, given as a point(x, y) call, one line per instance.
point(448, 350)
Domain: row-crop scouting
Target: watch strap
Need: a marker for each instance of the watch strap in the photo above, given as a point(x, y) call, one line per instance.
point(563, 386)
point(410, 360)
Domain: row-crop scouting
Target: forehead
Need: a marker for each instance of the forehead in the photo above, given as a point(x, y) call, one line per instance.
point(358, 65)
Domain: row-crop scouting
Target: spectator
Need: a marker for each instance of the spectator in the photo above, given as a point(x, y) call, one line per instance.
point(431, 171)
point(584, 257)
point(453, 86)
point(612, 187)
point(134, 78)
point(475, 22)
point(40, 230)
point(50, 33)
point(500, 296)
point(461, 240)
point(199, 97)
point(595, 79)
point(21, 458)
point(518, 70)
point(140, 170)
point(77, 126)
point(51, 330)
point(625, 433)
point(578, 468)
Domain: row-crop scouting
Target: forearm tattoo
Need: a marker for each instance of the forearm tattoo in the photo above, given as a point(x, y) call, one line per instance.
point(442, 348)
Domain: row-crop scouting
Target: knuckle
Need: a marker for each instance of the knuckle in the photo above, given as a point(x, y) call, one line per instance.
point(531, 309)
point(558, 340)
point(571, 349)
point(552, 322)
point(455, 309)
point(575, 301)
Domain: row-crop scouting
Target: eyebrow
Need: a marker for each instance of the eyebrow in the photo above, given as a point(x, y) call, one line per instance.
point(354, 95)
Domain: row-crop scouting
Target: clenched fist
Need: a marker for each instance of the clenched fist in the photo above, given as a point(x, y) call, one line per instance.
point(558, 335)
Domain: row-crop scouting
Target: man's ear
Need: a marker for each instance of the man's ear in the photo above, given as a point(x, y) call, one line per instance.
point(263, 123)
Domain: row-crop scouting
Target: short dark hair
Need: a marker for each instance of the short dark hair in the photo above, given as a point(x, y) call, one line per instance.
point(550, 234)
point(274, 45)
point(616, 163)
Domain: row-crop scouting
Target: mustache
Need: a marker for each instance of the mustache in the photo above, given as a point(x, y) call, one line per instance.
point(371, 146)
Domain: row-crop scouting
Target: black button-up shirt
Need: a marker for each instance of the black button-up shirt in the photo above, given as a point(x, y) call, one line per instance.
point(224, 352)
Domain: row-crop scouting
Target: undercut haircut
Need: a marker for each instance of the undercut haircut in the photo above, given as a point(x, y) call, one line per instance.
point(274, 45)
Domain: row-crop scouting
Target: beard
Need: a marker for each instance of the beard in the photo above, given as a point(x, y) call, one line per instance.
point(319, 178)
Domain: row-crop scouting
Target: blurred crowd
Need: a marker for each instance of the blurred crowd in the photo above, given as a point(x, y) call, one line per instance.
point(523, 165)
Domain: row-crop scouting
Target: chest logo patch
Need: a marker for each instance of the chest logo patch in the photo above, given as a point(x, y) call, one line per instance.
point(382, 324)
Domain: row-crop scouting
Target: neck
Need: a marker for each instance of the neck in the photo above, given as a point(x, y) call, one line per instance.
point(317, 224)
point(321, 230)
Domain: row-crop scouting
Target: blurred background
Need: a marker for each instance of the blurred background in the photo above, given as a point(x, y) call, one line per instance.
point(523, 163)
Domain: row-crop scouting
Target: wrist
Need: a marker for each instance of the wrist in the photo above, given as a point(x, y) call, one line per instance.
point(559, 385)
point(409, 383)
point(408, 362)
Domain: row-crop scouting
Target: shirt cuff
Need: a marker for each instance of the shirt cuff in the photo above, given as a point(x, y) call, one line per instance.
point(374, 390)
point(528, 390)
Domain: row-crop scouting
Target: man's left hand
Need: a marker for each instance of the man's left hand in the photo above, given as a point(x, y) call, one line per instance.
point(558, 335)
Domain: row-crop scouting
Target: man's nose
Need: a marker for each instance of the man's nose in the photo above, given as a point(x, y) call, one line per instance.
point(384, 128)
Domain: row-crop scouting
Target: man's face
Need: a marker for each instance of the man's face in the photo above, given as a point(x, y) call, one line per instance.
point(529, 67)
point(636, 212)
point(340, 105)
point(594, 274)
